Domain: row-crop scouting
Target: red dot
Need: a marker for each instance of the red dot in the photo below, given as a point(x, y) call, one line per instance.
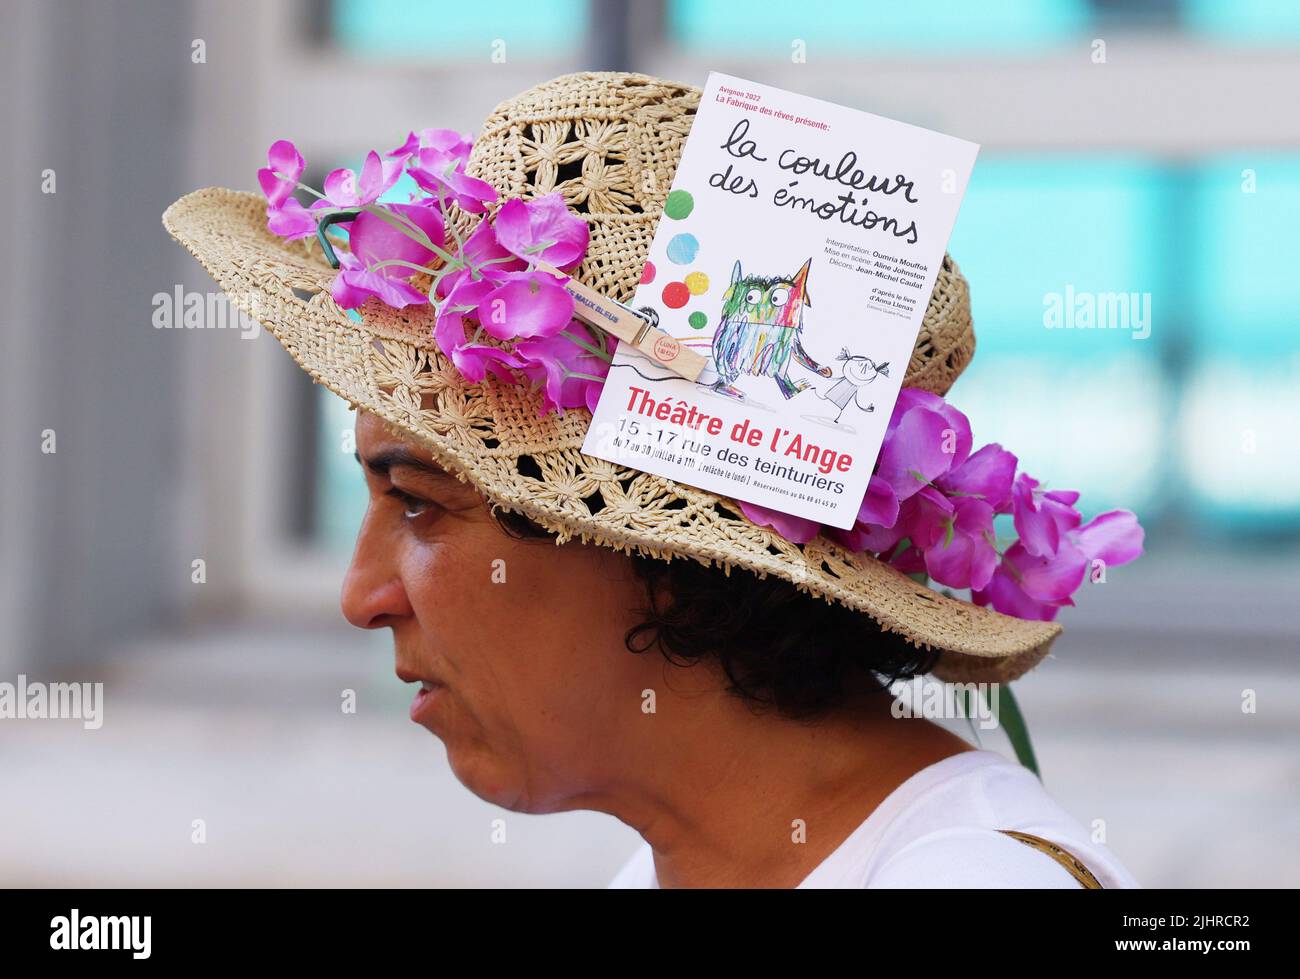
point(676, 295)
point(648, 273)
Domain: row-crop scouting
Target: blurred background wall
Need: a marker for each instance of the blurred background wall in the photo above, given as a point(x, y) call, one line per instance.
point(1150, 149)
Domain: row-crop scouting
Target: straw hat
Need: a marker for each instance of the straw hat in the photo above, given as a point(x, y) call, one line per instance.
point(610, 143)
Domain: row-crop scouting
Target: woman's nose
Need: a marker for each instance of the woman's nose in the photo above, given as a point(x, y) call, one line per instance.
point(373, 594)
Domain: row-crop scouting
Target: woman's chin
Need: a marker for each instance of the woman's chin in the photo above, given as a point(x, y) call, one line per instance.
point(483, 776)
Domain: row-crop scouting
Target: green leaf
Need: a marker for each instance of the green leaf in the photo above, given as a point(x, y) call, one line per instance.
point(1007, 711)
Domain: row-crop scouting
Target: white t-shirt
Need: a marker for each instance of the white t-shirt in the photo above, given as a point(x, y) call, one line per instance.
point(940, 828)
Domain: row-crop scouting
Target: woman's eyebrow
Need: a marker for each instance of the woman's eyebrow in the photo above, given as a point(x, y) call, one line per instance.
point(381, 462)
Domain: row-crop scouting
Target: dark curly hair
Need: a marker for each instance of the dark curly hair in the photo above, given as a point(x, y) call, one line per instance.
point(778, 647)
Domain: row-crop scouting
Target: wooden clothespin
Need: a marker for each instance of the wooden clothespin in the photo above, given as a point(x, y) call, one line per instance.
point(630, 326)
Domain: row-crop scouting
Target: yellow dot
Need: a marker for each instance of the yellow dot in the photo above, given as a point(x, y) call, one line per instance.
point(697, 283)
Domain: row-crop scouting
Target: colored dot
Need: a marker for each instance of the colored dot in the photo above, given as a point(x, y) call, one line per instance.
point(676, 295)
point(697, 320)
point(648, 273)
point(679, 205)
point(698, 283)
point(682, 249)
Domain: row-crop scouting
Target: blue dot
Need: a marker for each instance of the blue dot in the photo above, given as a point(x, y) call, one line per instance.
point(682, 249)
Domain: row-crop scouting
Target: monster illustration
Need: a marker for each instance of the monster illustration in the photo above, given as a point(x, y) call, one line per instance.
point(760, 329)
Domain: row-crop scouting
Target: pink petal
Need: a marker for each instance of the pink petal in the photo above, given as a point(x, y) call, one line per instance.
point(879, 503)
point(377, 176)
point(795, 529)
point(291, 220)
point(528, 304)
point(486, 255)
point(275, 187)
point(374, 240)
point(965, 558)
point(987, 474)
point(960, 437)
point(1115, 537)
point(1035, 527)
point(867, 538)
point(474, 360)
point(552, 360)
point(286, 160)
point(341, 187)
point(544, 229)
point(925, 517)
point(913, 455)
point(1047, 579)
point(449, 327)
point(1008, 598)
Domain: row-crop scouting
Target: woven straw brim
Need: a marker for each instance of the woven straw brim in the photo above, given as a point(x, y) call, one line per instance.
point(494, 435)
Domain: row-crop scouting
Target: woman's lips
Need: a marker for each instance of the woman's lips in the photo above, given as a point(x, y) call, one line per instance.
point(426, 700)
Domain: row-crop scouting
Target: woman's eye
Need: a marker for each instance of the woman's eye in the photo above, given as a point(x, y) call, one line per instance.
point(413, 506)
point(779, 297)
point(753, 296)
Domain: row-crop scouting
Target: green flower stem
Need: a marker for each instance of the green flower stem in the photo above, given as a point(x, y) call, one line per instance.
point(410, 265)
point(594, 351)
point(1007, 711)
point(411, 230)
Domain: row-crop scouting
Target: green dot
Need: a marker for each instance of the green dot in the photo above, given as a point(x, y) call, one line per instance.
point(697, 320)
point(679, 204)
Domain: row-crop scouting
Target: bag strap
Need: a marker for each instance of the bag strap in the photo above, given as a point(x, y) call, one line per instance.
point(1072, 864)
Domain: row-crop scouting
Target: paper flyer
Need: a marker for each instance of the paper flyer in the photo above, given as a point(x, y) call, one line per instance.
point(798, 248)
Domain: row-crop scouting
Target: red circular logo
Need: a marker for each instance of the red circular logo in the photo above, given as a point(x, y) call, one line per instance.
point(666, 348)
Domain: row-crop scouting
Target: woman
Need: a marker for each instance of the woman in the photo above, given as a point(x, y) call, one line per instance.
point(732, 704)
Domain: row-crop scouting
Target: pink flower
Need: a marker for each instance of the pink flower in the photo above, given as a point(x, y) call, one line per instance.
point(462, 303)
point(1041, 518)
point(987, 475)
point(1114, 537)
point(447, 141)
point(556, 362)
point(485, 258)
point(965, 556)
point(924, 440)
point(442, 174)
point(374, 239)
point(925, 516)
point(474, 360)
point(1034, 587)
point(543, 228)
point(280, 180)
point(355, 284)
point(290, 220)
point(343, 188)
point(526, 304)
point(1038, 586)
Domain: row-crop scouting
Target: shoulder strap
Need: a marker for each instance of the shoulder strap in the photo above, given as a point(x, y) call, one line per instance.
point(1072, 864)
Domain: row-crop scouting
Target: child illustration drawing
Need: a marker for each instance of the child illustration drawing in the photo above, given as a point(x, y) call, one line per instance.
point(858, 374)
point(761, 329)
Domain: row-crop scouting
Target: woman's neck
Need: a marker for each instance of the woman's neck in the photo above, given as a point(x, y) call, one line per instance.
point(734, 799)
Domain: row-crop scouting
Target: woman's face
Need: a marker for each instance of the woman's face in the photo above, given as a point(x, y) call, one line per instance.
point(521, 643)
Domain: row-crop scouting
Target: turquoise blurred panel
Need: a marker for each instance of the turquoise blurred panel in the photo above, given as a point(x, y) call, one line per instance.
point(1097, 427)
point(1239, 441)
point(460, 32)
point(843, 27)
point(340, 485)
point(1244, 256)
point(1266, 21)
point(1043, 235)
